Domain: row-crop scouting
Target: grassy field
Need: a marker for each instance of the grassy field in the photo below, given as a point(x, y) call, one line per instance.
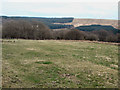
point(54, 63)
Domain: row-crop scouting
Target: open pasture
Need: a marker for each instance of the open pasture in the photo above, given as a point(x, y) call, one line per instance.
point(59, 64)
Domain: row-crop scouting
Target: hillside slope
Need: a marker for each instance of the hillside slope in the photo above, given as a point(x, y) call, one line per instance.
point(84, 22)
point(58, 23)
point(81, 22)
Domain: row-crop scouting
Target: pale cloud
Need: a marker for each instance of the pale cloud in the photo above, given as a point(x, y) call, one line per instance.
point(55, 9)
point(61, 0)
point(81, 9)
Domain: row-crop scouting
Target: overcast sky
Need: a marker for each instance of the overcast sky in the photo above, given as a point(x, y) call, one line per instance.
point(98, 9)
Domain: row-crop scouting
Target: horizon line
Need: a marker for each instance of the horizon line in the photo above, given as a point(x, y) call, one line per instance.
point(55, 17)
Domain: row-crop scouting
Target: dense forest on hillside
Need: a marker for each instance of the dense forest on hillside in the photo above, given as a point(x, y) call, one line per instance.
point(98, 27)
point(47, 21)
point(43, 19)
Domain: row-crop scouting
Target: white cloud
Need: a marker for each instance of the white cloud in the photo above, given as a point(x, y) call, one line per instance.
point(76, 9)
point(79, 9)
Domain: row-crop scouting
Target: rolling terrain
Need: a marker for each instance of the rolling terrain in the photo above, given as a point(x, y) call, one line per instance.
point(70, 22)
point(41, 56)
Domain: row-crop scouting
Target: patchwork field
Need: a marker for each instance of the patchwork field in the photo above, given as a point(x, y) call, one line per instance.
point(54, 64)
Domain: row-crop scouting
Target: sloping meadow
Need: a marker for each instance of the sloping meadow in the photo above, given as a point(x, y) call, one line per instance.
point(59, 64)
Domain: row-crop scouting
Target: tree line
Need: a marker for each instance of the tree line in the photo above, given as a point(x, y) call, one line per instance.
point(36, 30)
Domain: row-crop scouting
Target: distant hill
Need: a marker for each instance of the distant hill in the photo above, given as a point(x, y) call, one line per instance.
point(44, 19)
point(68, 23)
point(83, 22)
point(48, 21)
point(86, 22)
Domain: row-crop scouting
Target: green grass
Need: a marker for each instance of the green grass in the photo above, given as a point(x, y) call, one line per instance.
point(59, 64)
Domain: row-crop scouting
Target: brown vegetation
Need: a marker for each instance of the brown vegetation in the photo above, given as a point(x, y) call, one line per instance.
point(37, 30)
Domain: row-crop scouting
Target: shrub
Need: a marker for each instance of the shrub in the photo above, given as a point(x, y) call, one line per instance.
point(92, 37)
point(74, 35)
point(102, 34)
point(111, 38)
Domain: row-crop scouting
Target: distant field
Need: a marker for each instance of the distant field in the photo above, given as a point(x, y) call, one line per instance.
point(54, 63)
